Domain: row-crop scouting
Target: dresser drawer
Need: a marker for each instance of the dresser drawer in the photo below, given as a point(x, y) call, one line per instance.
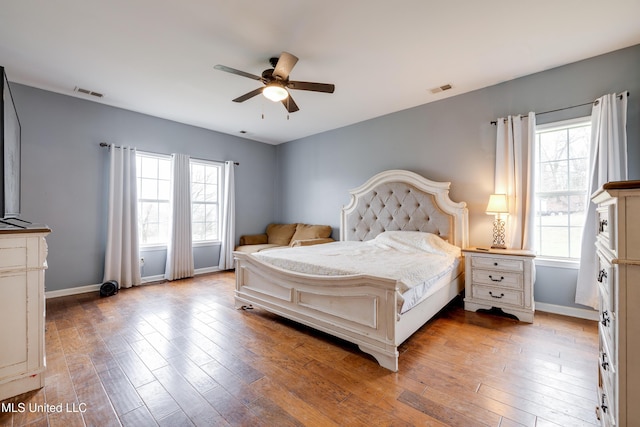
point(607, 326)
point(607, 363)
point(497, 263)
point(501, 279)
point(498, 295)
point(606, 409)
point(606, 226)
point(605, 279)
point(13, 253)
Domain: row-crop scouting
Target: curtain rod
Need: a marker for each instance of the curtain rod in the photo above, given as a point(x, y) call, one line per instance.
point(495, 122)
point(106, 144)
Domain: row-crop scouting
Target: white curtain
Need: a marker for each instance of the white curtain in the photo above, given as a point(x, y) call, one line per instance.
point(122, 260)
point(228, 219)
point(179, 249)
point(514, 177)
point(607, 162)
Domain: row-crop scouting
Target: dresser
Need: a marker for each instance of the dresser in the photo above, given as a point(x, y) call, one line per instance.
point(500, 278)
point(618, 280)
point(23, 255)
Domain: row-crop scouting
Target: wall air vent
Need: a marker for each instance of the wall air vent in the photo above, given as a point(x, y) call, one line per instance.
point(88, 92)
point(441, 88)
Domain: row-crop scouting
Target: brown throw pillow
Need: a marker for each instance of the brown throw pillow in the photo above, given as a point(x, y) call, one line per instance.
point(280, 234)
point(306, 231)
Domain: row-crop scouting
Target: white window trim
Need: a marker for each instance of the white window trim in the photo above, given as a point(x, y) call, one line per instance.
point(563, 124)
point(546, 260)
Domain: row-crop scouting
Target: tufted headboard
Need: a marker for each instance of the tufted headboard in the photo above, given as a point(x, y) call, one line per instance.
point(404, 200)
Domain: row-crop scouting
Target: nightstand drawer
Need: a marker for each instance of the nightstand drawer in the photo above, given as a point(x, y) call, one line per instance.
point(496, 278)
point(497, 295)
point(497, 263)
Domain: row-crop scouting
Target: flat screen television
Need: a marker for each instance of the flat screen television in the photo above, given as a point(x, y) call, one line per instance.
point(10, 136)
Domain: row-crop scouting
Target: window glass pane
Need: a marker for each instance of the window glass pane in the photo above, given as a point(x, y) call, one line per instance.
point(148, 167)
point(197, 173)
point(164, 169)
point(197, 212)
point(197, 192)
point(211, 193)
point(148, 189)
point(553, 145)
point(212, 175)
point(579, 142)
point(164, 190)
point(554, 241)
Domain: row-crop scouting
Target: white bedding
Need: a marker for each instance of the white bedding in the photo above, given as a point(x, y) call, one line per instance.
point(416, 260)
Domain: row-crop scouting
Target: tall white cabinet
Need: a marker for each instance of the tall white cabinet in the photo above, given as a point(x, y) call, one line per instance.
point(23, 260)
point(618, 278)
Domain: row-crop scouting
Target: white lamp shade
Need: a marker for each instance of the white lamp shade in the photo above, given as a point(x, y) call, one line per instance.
point(497, 204)
point(275, 92)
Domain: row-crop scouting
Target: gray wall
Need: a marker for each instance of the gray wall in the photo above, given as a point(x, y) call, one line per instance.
point(64, 177)
point(453, 140)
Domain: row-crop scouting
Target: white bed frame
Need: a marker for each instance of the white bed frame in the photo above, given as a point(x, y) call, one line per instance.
point(363, 309)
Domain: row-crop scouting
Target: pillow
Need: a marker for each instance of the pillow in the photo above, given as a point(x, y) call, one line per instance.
point(417, 240)
point(280, 234)
point(306, 231)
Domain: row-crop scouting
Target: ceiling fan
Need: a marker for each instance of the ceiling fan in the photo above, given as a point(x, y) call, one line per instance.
point(277, 83)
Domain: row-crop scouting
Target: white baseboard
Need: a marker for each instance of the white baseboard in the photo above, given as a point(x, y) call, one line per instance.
point(96, 288)
point(72, 291)
point(581, 313)
point(206, 270)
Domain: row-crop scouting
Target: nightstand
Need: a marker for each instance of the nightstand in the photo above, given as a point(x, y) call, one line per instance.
point(500, 278)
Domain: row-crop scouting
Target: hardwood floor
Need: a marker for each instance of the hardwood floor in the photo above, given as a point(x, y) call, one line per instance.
point(179, 354)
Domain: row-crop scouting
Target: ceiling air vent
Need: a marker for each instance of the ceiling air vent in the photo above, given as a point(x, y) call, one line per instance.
point(441, 88)
point(88, 92)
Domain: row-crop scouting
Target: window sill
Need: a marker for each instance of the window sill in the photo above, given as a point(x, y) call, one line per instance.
point(207, 243)
point(558, 263)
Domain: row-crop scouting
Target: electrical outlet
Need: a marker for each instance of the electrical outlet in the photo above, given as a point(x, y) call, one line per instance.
point(141, 262)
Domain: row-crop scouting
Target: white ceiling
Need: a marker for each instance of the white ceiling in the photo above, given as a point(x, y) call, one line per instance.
point(157, 56)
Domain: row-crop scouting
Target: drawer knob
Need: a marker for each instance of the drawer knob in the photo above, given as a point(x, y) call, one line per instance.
point(495, 264)
point(605, 318)
point(495, 296)
point(603, 404)
point(604, 363)
point(602, 275)
point(496, 280)
point(603, 225)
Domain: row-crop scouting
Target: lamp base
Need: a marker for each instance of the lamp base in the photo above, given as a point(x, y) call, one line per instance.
point(498, 234)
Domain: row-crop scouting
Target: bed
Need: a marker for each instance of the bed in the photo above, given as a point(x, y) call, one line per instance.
point(368, 310)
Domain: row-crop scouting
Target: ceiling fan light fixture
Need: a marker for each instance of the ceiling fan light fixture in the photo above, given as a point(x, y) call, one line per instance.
point(275, 92)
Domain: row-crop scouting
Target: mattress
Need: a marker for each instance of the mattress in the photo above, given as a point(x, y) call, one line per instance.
point(419, 262)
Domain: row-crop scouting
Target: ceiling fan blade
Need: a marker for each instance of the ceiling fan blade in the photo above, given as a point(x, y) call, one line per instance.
point(290, 104)
point(285, 64)
point(249, 95)
point(238, 72)
point(316, 87)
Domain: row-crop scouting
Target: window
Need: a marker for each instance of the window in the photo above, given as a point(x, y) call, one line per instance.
point(561, 173)
point(154, 189)
point(205, 201)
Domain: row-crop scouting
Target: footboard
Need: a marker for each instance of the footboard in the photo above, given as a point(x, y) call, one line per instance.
point(357, 308)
